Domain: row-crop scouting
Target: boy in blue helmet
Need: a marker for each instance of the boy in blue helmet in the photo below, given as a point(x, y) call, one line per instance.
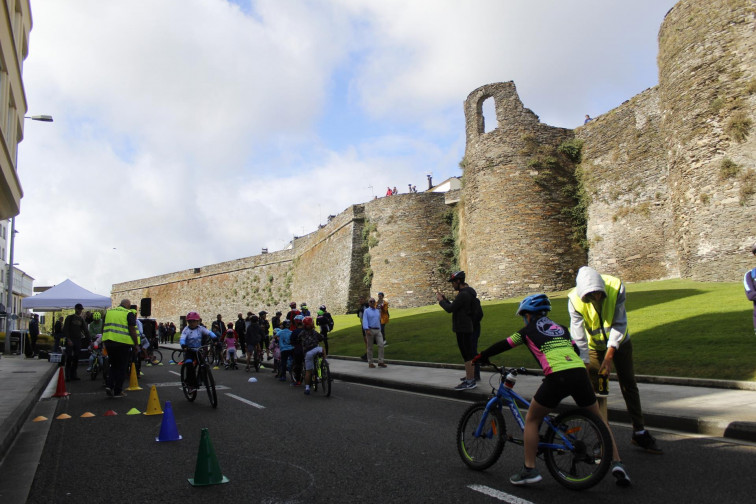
point(565, 375)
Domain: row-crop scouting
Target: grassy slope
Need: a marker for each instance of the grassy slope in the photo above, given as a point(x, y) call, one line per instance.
point(678, 328)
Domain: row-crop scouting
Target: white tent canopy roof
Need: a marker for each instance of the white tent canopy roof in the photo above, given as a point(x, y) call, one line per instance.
point(64, 296)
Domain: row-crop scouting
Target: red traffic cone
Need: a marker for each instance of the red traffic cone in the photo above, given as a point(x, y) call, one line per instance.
point(61, 390)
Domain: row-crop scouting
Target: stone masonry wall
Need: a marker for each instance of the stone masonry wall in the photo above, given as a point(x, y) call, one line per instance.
point(630, 224)
point(515, 236)
point(707, 82)
point(409, 229)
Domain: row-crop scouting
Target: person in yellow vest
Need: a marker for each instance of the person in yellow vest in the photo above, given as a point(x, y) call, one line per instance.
point(598, 324)
point(119, 335)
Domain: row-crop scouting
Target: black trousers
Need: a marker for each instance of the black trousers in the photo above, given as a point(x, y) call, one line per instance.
point(72, 358)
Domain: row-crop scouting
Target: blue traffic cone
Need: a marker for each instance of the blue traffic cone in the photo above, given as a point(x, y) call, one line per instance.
point(168, 430)
point(207, 470)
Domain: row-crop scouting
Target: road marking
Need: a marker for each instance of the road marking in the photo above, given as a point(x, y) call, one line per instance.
point(246, 401)
point(497, 494)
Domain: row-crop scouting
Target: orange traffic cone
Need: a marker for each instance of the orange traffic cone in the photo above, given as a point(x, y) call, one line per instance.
point(61, 390)
point(133, 382)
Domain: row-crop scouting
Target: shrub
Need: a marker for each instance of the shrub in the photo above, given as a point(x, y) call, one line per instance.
point(728, 169)
point(747, 185)
point(739, 126)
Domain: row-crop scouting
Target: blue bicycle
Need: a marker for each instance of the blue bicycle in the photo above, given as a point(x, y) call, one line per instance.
point(576, 445)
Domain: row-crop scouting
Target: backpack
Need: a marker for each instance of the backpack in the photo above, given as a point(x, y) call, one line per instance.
point(477, 311)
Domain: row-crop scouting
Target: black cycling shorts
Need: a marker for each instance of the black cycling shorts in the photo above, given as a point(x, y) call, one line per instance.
point(570, 382)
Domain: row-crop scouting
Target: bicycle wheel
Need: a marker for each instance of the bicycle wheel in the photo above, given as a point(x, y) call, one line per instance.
point(177, 356)
point(95, 369)
point(157, 356)
point(325, 377)
point(190, 396)
point(588, 462)
point(481, 452)
point(207, 379)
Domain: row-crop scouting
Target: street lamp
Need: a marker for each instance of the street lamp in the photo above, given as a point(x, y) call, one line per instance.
point(9, 310)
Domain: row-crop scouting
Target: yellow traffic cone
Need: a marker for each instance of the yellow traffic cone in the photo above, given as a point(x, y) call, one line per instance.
point(133, 382)
point(153, 403)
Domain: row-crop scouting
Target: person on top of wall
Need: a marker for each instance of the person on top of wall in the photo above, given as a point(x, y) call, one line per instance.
point(598, 324)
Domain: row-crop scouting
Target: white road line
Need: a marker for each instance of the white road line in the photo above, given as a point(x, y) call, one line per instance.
point(246, 401)
point(497, 494)
point(175, 372)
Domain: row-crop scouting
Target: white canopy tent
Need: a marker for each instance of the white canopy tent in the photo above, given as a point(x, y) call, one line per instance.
point(64, 296)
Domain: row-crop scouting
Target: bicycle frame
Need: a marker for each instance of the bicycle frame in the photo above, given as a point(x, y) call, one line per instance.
point(505, 395)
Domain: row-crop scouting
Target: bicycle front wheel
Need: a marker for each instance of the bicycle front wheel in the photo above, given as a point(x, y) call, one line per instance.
point(207, 378)
point(325, 378)
point(483, 451)
point(190, 396)
point(591, 456)
point(177, 356)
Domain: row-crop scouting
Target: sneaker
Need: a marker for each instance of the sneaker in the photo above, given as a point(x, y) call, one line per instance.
point(465, 385)
point(381, 364)
point(121, 395)
point(364, 357)
point(647, 442)
point(109, 391)
point(371, 365)
point(619, 472)
point(526, 477)
point(89, 370)
point(307, 391)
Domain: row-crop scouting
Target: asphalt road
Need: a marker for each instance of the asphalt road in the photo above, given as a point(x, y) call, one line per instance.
point(363, 444)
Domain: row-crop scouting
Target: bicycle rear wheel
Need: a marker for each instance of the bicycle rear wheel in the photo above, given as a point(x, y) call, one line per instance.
point(157, 356)
point(190, 396)
point(589, 460)
point(325, 377)
point(207, 378)
point(483, 451)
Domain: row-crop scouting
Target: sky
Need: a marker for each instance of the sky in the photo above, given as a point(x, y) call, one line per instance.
point(191, 132)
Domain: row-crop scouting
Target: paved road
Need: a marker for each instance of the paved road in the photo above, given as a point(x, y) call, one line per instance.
point(364, 444)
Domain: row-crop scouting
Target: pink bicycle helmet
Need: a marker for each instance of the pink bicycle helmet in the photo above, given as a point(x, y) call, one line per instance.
point(192, 315)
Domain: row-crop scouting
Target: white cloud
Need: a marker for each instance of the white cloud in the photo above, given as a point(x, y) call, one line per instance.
point(189, 132)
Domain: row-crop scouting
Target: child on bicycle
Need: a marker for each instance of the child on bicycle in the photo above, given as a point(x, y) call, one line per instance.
point(565, 374)
point(275, 350)
point(95, 351)
point(232, 343)
point(192, 338)
point(287, 349)
point(310, 348)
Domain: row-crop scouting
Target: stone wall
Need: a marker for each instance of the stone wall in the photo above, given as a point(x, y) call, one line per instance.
point(707, 81)
point(630, 225)
point(323, 267)
point(409, 229)
point(514, 234)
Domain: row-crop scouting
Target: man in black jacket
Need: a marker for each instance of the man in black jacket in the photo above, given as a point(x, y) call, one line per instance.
point(239, 327)
point(462, 324)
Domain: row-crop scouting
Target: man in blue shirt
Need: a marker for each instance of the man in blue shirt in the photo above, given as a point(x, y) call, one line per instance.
point(371, 323)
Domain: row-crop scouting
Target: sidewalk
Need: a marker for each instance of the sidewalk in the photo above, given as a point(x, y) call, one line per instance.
point(720, 409)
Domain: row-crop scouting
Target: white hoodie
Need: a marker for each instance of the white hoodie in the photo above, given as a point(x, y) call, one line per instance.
point(589, 280)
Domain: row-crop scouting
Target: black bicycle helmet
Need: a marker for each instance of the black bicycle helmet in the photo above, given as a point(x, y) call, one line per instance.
point(457, 275)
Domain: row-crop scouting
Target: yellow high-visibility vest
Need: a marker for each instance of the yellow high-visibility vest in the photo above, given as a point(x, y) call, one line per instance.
point(116, 326)
point(591, 319)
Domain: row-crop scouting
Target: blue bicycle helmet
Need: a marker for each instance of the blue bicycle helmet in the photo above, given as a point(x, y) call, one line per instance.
point(535, 303)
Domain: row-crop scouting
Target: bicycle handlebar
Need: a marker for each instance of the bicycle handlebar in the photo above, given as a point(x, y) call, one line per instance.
point(516, 371)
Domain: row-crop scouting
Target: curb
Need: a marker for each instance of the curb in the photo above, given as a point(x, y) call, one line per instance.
point(738, 430)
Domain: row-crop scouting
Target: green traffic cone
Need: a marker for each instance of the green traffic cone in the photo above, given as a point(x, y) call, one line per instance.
point(207, 471)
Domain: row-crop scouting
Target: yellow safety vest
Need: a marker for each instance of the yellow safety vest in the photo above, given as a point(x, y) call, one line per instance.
point(116, 326)
point(591, 319)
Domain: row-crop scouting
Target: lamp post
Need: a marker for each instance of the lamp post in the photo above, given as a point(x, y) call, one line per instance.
point(10, 312)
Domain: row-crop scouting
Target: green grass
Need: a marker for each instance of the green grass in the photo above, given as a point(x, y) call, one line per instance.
point(678, 327)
